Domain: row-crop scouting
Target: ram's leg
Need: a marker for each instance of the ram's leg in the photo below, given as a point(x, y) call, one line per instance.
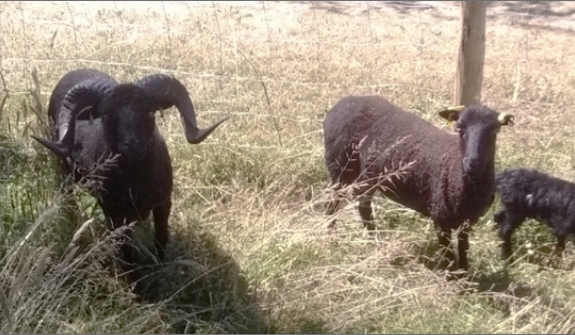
point(444, 237)
point(365, 210)
point(161, 215)
point(122, 234)
point(127, 247)
point(463, 244)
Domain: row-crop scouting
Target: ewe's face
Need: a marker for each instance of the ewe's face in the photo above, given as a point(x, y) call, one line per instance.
point(478, 127)
point(129, 121)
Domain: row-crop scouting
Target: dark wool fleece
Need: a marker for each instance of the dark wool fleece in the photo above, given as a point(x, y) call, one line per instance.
point(527, 193)
point(434, 185)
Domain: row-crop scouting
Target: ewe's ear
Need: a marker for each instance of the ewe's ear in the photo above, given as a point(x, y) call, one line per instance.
point(506, 119)
point(451, 113)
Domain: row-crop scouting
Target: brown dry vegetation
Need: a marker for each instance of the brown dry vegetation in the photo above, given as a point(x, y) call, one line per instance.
point(249, 249)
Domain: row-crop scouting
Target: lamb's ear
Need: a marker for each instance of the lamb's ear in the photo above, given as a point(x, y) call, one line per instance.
point(451, 113)
point(506, 119)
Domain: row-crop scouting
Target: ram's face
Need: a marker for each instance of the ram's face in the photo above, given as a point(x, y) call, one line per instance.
point(129, 122)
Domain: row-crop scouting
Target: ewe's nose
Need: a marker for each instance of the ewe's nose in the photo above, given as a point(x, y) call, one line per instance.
point(470, 164)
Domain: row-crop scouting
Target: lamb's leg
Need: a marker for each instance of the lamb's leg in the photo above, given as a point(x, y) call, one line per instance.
point(444, 237)
point(365, 210)
point(463, 244)
point(560, 246)
point(161, 215)
point(507, 220)
point(499, 216)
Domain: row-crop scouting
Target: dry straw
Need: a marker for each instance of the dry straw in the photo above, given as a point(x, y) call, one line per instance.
point(249, 248)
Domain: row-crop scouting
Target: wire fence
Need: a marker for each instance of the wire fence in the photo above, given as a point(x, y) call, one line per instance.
point(304, 55)
point(42, 24)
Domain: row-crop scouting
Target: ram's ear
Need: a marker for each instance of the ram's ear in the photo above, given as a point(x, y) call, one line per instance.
point(451, 113)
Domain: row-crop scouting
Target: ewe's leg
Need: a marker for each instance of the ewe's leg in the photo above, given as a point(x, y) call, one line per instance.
point(161, 215)
point(463, 244)
point(333, 205)
point(444, 237)
point(343, 169)
point(365, 210)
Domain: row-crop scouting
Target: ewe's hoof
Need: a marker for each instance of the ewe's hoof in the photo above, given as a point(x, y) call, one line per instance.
point(455, 274)
point(369, 234)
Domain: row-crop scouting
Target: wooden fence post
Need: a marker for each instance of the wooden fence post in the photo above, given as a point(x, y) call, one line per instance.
point(471, 53)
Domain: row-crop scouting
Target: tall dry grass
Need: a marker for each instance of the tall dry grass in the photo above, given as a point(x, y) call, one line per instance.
point(249, 248)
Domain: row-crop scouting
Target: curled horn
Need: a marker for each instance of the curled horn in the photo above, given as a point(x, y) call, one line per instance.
point(506, 119)
point(167, 91)
point(63, 148)
point(80, 99)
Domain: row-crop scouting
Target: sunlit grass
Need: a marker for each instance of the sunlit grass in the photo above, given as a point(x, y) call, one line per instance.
point(249, 248)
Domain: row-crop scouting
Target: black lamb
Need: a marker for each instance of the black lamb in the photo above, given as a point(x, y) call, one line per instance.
point(531, 194)
point(448, 177)
point(98, 121)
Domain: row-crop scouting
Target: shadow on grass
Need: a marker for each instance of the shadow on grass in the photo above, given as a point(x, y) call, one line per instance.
point(199, 287)
point(299, 324)
point(500, 282)
point(542, 8)
point(549, 9)
point(431, 255)
point(501, 291)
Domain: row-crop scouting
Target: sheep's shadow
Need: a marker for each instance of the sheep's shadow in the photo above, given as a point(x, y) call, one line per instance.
point(404, 7)
point(432, 255)
point(197, 283)
point(542, 8)
point(501, 290)
point(500, 282)
point(428, 253)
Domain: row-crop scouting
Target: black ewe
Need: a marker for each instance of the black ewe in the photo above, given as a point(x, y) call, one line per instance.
point(530, 194)
point(448, 177)
point(96, 119)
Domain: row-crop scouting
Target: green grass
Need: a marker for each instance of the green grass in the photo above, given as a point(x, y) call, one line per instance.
point(249, 250)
